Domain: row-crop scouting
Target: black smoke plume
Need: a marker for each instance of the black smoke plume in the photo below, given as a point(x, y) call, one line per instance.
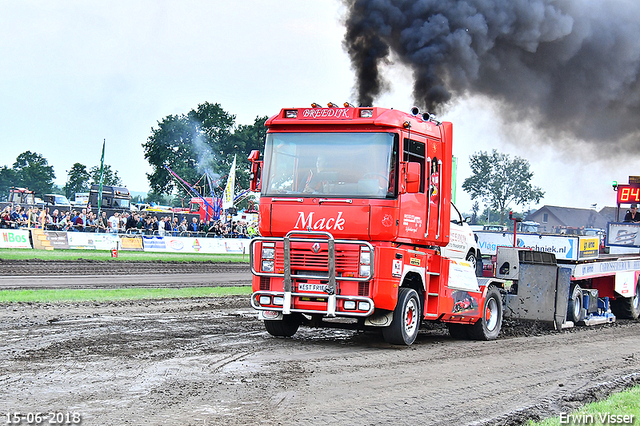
point(569, 66)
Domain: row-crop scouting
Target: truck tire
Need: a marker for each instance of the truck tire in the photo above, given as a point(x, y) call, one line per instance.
point(627, 307)
point(489, 325)
point(575, 312)
point(471, 258)
point(406, 319)
point(458, 331)
point(285, 327)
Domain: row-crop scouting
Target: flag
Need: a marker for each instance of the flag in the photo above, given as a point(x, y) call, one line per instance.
point(227, 198)
point(101, 177)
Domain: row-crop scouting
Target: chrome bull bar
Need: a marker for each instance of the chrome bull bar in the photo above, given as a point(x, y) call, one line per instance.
point(332, 291)
point(256, 305)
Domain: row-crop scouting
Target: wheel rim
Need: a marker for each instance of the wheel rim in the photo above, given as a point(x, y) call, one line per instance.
point(491, 314)
point(472, 259)
point(577, 306)
point(411, 317)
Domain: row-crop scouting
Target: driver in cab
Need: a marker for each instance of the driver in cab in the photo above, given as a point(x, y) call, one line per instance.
point(317, 181)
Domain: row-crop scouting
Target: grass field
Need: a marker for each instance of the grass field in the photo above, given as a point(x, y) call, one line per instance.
point(105, 295)
point(123, 255)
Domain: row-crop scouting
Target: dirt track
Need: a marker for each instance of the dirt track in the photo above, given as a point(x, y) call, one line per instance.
point(209, 361)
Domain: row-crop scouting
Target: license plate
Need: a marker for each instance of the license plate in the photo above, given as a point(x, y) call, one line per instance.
point(312, 287)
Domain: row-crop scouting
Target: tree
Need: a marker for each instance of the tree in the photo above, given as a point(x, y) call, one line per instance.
point(201, 142)
point(77, 180)
point(7, 180)
point(110, 177)
point(172, 145)
point(34, 172)
point(499, 181)
point(474, 212)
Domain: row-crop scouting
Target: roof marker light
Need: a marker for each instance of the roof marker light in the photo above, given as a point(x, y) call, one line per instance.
point(332, 105)
point(315, 105)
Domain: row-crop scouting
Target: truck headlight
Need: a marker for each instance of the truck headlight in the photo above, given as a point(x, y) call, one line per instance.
point(265, 300)
point(268, 252)
point(350, 305)
point(365, 262)
point(365, 270)
point(267, 265)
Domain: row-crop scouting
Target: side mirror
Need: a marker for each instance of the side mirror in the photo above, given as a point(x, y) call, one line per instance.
point(256, 171)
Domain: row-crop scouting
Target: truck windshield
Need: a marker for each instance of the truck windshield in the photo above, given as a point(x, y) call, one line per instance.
point(332, 164)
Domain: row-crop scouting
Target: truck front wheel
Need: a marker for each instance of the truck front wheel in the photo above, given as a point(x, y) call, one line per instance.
point(406, 319)
point(627, 307)
point(489, 325)
point(285, 327)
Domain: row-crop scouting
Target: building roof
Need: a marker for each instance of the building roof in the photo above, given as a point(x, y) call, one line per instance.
point(572, 216)
point(609, 213)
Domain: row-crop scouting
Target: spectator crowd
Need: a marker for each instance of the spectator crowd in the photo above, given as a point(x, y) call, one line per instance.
point(86, 220)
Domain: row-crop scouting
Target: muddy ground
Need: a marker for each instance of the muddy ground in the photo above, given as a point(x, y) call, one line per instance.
point(210, 362)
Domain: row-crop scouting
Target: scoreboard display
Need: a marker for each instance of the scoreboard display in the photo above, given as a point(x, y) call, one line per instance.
point(628, 194)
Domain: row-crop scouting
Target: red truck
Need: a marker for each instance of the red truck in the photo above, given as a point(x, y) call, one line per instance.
point(355, 209)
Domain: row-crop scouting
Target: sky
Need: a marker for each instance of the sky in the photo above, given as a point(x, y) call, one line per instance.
point(75, 73)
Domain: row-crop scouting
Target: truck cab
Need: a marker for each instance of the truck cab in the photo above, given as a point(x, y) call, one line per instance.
point(356, 223)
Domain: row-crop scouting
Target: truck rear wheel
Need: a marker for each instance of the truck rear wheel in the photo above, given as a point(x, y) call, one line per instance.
point(627, 307)
point(406, 319)
point(489, 325)
point(285, 327)
point(574, 308)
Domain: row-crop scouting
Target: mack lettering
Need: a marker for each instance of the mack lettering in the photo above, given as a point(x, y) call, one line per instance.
point(327, 224)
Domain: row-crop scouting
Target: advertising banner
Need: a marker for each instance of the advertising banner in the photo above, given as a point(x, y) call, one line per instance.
point(196, 245)
point(91, 241)
point(565, 248)
point(625, 234)
point(131, 242)
point(58, 239)
point(14, 238)
point(589, 247)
